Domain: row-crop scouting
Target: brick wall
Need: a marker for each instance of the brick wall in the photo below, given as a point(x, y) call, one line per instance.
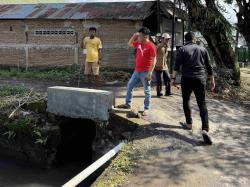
point(17, 35)
point(50, 56)
point(12, 56)
point(51, 50)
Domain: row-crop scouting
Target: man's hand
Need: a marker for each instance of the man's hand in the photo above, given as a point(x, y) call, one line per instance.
point(99, 62)
point(136, 34)
point(132, 39)
point(149, 76)
point(174, 82)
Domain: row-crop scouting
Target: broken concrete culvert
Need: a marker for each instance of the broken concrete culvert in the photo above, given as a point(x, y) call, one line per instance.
point(39, 133)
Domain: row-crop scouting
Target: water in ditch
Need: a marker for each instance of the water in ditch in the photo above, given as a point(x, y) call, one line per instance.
point(74, 154)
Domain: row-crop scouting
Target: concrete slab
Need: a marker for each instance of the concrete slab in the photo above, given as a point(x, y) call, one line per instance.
point(80, 102)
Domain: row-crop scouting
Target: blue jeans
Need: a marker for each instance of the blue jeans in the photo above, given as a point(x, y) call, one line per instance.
point(136, 78)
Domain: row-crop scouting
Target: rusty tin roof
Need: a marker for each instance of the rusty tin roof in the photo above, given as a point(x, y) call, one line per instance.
point(117, 10)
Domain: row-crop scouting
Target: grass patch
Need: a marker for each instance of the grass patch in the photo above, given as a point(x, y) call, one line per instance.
point(70, 73)
point(22, 125)
point(57, 74)
point(8, 90)
point(123, 165)
point(236, 94)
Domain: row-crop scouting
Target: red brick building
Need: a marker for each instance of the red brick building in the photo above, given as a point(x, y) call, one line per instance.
point(51, 34)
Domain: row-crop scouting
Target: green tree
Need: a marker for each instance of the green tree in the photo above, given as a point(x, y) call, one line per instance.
point(209, 21)
point(243, 15)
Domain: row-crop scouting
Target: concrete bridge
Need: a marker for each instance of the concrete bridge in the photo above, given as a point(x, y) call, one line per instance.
point(80, 103)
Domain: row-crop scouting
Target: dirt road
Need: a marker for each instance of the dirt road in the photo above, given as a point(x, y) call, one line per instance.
point(176, 157)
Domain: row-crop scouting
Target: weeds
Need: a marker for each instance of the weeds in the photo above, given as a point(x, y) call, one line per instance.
point(8, 90)
point(53, 74)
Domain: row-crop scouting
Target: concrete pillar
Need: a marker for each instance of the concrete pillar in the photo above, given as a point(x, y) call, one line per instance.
point(76, 55)
point(26, 57)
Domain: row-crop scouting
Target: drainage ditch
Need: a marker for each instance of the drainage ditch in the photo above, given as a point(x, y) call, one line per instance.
point(64, 145)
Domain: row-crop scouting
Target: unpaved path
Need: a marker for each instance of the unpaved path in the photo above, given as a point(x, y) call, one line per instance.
point(176, 157)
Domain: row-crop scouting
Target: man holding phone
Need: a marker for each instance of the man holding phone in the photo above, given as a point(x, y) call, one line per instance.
point(145, 63)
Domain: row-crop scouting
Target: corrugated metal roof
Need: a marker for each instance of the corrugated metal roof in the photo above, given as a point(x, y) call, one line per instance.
point(118, 10)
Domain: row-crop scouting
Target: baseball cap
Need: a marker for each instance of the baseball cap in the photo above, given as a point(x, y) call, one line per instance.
point(166, 35)
point(158, 35)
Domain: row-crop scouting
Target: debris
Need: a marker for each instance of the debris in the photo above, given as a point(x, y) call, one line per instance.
point(112, 82)
point(126, 135)
point(133, 114)
point(21, 103)
point(25, 113)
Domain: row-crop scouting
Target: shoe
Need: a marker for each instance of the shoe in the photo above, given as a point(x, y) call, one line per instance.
point(159, 95)
point(145, 112)
point(186, 126)
point(207, 139)
point(168, 94)
point(124, 106)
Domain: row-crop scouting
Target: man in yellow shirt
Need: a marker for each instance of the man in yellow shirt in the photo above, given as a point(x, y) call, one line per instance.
point(93, 46)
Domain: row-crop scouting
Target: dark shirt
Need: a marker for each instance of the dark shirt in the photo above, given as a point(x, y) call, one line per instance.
point(194, 61)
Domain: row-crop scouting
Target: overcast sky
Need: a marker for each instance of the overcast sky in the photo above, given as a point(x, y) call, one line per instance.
point(230, 15)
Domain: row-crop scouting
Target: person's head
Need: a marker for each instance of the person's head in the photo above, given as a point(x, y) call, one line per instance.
point(92, 32)
point(165, 38)
point(144, 33)
point(158, 38)
point(190, 37)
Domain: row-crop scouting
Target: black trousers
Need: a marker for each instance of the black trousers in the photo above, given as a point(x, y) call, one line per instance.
point(197, 86)
point(166, 79)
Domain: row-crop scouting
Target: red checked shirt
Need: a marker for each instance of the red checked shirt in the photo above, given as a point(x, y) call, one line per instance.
point(144, 54)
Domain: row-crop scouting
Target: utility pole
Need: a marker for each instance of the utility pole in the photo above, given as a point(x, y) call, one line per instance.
point(158, 16)
point(173, 38)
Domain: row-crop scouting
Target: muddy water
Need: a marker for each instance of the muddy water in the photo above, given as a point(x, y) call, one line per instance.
point(16, 174)
point(74, 155)
point(13, 173)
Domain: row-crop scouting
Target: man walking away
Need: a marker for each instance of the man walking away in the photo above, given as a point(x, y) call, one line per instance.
point(145, 63)
point(93, 46)
point(161, 67)
point(194, 61)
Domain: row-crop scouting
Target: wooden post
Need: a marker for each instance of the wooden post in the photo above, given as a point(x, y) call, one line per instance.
point(158, 16)
point(173, 38)
point(26, 48)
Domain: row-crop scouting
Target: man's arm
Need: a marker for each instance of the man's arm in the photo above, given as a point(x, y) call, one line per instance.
point(150, 73)
point(100, 52)
point(209, 71)
point(132, 39)
point(83, 46)
point(154, 60)
point(208, 65)
point(177, 66)
point(178, 62)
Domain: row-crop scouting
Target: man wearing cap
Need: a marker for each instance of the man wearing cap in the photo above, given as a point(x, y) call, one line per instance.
point(194, 61)
point(161, 67)
point(158, 38)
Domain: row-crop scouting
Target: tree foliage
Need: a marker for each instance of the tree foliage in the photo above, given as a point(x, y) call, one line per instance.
point(208, 20)
point(243, 15)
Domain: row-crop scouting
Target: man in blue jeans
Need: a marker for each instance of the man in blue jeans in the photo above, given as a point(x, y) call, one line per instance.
point(145, 63)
